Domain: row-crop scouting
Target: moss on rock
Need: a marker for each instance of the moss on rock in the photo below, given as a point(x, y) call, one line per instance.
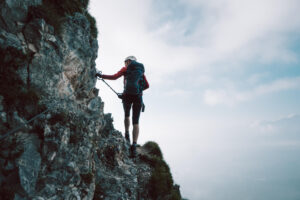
point(161, 184)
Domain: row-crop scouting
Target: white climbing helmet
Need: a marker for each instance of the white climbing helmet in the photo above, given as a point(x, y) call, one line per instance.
point(130, 58)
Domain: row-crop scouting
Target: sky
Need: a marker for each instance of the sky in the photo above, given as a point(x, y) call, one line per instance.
point(224, 96)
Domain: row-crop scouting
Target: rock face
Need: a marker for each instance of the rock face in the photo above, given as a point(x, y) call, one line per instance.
point(72, 151)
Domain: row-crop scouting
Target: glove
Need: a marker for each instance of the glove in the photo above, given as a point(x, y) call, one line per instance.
point(98, 75)
point(120, 95)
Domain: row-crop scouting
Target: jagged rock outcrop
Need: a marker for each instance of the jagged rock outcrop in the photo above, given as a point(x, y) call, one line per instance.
point(72, 151)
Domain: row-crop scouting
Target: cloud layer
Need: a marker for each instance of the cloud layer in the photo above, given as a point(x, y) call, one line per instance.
point(229, 96)
point(206, 60)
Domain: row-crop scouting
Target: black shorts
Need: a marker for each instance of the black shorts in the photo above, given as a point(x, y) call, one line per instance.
point(136, 101)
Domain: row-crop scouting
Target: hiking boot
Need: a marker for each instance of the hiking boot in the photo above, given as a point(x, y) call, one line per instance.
point(127, 137)
point(133, 150)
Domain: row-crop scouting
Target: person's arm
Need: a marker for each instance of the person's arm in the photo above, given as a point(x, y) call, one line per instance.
point(146, 83)
point(115, 76)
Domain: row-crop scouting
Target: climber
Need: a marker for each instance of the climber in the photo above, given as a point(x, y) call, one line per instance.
point(134, 83)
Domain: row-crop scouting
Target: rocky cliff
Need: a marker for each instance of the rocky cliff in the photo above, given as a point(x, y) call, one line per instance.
point(70, 149)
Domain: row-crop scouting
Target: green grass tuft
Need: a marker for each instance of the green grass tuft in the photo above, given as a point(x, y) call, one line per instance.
point(153, 149)
point(54, 12)
point(161, 185)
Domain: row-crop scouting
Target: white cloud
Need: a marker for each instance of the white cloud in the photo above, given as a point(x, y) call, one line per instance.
point(257, 78)
point(214, 97)
point(285, 125)
point(178, 92)
point(229, 96)
point(229, 31)
point(234, 31)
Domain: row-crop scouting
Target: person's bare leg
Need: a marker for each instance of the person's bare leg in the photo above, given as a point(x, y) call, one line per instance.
point(135, 132)
point(127, 124)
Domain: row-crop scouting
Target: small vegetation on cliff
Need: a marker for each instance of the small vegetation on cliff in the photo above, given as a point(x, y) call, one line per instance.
point(161, 184)
point(153, 149)
point(54, 13)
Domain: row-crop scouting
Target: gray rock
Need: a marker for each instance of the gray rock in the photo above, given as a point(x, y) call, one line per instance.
point(73, 195)
point(51, 156)
point(3, 117)
point(10, 40)
point(13, 11)
point(29, 166)
point(8, 166)
point(38, 198)
point(95, 104)
point(33, 32)
point(18, 197)
point(17, 120)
